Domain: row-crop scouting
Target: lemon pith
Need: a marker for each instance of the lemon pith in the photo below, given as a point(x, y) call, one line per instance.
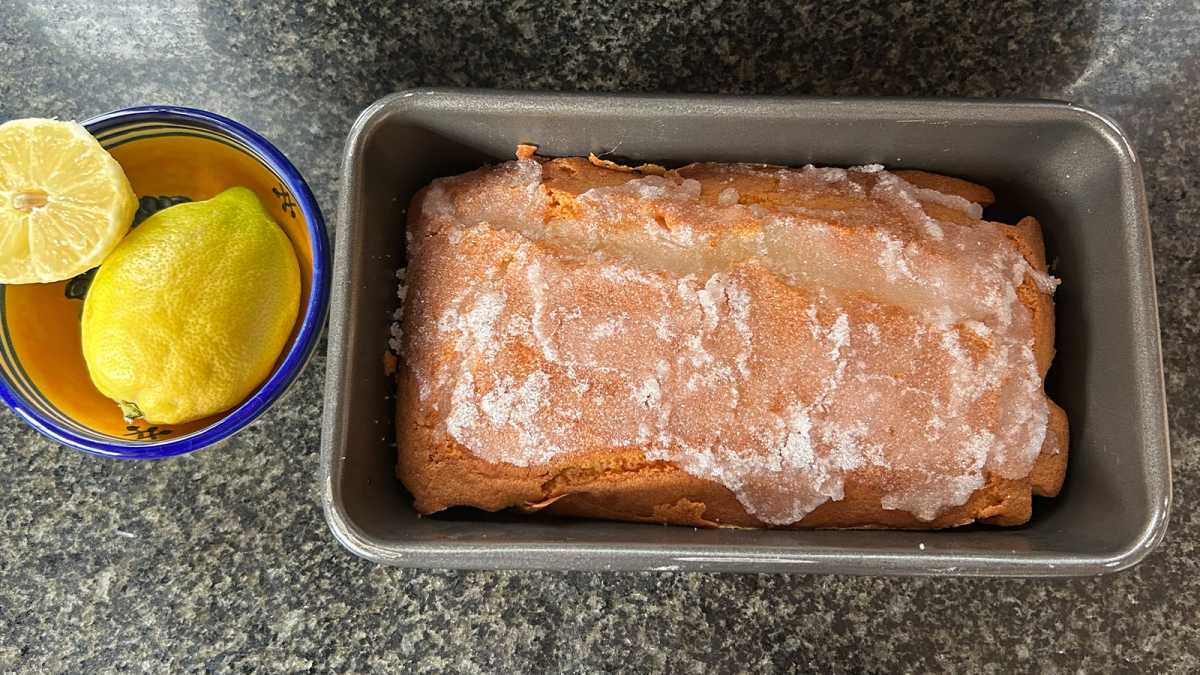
point(65, 202)
point(190, 312)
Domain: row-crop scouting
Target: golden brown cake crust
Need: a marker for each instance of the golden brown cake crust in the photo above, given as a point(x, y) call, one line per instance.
point(620, 483)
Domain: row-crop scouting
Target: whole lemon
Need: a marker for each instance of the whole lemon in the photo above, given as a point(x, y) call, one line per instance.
point(190, 312)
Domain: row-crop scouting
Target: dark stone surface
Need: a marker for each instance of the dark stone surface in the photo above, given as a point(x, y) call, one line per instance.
point(221, 561)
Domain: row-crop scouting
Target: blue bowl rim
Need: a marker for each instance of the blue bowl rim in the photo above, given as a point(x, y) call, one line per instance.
point(315, 312)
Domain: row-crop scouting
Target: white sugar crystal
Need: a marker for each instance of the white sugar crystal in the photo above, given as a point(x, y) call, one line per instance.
point(927, 501)
point(952, 201)
point(1045, 283)
point(513, 410)
point(476, 329)
point(437, 202)
point(728, 197)
point(953, 346)
point(873, 332)
point(976, 449)
point(508, 404)
point(902, 194)
point(797, 448)
point(828, 174)
point(977, 327)
point(739, 312)
point(845, 442)
point(649, 187)
point(684, 288)
point(497, 404)
point(814, 327)
point(643, 436)
point(396, 334)
point(892, 260)
point(395, 331)
point(578, 384)
point(608, 328)
point(682, 235)
point(839, 335)
point(648, 394)
point(618, 274)
point(518, 326)
point(481, 320)
point(699, 356)
point(662, 328)
point(739, 302)
point(875, 455)
point(448, 321)
point(538, 288)
point(711, 297)
point(463, 413)
point(402, 286)
point(940, 318)
point(742, 361)
point(613, 273)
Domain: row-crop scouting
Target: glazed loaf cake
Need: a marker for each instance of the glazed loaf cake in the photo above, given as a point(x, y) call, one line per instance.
point(725, 345)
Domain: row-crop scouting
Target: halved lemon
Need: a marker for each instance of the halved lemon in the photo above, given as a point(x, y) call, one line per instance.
point(65, 203)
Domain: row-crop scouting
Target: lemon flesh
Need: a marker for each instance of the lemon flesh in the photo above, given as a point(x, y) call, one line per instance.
point(189, 314)
point(65, 203)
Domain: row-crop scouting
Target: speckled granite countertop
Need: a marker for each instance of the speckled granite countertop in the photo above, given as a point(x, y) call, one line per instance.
point(222, 561)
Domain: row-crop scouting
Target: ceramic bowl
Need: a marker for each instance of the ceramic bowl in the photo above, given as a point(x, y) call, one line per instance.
point(165, 151)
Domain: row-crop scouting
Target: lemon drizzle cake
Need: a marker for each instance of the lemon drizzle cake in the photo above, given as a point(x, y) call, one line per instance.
point(725, 344)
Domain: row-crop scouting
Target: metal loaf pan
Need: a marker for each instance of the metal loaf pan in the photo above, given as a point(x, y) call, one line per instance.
point(1071, 168)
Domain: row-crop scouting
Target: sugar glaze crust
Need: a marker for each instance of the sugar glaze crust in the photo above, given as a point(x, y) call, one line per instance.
point(725, 345)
